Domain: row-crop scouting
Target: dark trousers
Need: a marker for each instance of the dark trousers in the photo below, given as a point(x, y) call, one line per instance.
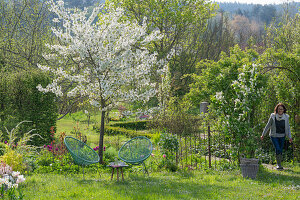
point(278, 143)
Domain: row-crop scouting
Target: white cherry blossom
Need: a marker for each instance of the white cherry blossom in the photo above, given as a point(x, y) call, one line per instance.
point(111, 61)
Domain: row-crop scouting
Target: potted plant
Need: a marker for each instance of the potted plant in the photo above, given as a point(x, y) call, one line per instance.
point(248, 144)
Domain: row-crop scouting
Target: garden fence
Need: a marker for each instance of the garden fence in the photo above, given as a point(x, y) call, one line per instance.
point(208, 149)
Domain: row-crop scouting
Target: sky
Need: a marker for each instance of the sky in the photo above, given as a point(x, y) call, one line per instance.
point(258, 1)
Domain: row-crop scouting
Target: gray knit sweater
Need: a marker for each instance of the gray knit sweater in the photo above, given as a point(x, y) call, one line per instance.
point(272, 126)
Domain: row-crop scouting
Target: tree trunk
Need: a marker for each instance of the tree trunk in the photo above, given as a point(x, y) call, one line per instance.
point(101, 137)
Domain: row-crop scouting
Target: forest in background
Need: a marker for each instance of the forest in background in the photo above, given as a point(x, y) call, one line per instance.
point(246, 21)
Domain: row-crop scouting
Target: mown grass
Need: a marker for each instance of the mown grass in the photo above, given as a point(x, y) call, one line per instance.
point(270, 184)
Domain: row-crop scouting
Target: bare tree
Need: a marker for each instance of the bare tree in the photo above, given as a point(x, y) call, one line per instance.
point(24, 29)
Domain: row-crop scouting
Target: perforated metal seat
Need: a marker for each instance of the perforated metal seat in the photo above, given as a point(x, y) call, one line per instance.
point(136, 151)
point(81, 153)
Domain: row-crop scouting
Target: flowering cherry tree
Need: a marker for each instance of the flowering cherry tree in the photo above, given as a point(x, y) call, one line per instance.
point(101, 57)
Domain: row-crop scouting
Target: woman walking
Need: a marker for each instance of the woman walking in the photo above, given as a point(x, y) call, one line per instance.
point(279, 128)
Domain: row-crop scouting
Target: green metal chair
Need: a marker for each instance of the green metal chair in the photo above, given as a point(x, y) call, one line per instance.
point(136, 151)
point(81, 153)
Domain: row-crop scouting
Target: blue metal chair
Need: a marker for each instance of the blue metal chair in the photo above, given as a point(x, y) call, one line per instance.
point(136, 151)
point(81, 153)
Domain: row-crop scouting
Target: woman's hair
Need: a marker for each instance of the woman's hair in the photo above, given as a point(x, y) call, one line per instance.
point(276, 108)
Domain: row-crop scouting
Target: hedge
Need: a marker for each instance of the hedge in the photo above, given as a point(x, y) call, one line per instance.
point(20, 100)
point(134, 125)
point(110, 130)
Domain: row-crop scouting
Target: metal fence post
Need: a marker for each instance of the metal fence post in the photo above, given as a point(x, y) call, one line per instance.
point(209, 152)
point(204, 109)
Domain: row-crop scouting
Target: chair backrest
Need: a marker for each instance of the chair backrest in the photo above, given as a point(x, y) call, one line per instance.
point(136, 150)
point(81, 153)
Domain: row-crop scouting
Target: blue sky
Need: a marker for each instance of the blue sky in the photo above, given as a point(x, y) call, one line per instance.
point(257, 1)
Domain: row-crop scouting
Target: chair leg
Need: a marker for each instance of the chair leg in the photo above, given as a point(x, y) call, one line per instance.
point(117, 173)
point(112, 173)
point(145, 169)
point(83, 171)
point(122, 173)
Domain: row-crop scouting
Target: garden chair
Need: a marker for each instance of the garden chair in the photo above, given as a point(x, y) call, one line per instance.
point(81, 153)
point(136, 151)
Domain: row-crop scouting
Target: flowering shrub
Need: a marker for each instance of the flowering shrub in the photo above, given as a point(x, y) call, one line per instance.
point(9, 179)
point(169, 145)
point(237, 105)
point(57, 148)
point(97, 148)
point(160, 162)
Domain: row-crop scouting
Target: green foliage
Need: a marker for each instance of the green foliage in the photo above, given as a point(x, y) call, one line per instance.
point(156, 137)
point(17, 146)
point(234, 87)
point(284, 35)
point(168, 143)
point(20, 100)
point(182, 23)
point(281, 64)
point(159, 162)
point(212, 76)
point(176, 118)
point(2, 148)
point(45, 158)
point(11, 193)
point(110, 154)
point(47, 162)
point(14, 159)
point(171, 165)
point(169, 146)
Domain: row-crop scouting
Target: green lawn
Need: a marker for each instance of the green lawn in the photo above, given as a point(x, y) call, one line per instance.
point(270, 184)
point(68, 125)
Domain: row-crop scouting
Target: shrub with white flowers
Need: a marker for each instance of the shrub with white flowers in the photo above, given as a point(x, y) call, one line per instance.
point(237, 107)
